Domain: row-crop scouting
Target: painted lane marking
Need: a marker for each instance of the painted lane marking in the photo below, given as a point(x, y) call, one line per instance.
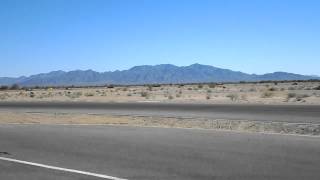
point(61, 169)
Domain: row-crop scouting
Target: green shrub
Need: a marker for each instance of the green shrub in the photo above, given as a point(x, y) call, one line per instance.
point(89, 94)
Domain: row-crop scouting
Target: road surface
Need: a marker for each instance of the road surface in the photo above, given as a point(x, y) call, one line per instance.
point(279, 113)
point(139, 153)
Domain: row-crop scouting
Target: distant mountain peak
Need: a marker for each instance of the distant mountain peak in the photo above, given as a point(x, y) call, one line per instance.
point(146, 74)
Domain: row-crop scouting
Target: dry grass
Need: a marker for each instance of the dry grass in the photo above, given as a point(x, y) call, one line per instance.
point(257, 93)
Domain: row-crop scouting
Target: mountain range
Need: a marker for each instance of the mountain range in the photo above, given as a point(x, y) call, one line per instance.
point(147, 74)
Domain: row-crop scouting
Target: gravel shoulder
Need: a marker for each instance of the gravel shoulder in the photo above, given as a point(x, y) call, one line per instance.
point(12, 117)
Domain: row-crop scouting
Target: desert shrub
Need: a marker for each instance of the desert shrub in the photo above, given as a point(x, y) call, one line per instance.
point(252, 90)
point(291, 88)
point(266, 94)
point(178, 95)
point(75, 95)
point(89, 94)
point(301, 96)
point(208, 96)
point(294, 83)
point(190, 89)
point(170, 97)
point(200, 86)
point(32, 94)
point(2, 88)
point(209, 91)
point(244, 97)
point(149, 87)
point(110, 86)
point(129, 94)
point(273, 89)
point(156, 85)
point(103, 93)
point(291, 95)
point(211, 85)
point(15, 87)
point(4, 96)
point(233, 97)
point(317, 88)
point(144, 94)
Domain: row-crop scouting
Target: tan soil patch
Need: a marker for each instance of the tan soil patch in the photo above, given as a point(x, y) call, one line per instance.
point(222, 124)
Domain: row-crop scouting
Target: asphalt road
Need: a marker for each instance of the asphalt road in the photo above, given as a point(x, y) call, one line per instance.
point(156, 153)
point(280, 113)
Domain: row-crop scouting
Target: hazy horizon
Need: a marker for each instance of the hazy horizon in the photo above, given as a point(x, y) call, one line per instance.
point(148, 65)
point(254, 37)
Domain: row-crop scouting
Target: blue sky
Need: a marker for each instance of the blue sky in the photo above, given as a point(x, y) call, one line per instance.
point(256, 36)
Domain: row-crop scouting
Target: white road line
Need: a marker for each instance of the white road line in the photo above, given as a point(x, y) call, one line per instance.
point(61, 169)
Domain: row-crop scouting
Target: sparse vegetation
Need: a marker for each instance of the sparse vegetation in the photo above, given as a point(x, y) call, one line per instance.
point(2, 88)
point(248, 91)
point(110, 86)
point(291, 95)
point(244, 97)
point(273, 89)
point(233, 97)
point(317, 88)
point(149, 88)
point(15, 87)
point(144, 94)
point(208, 96)
point(74, 95)
point(4, 96)
point(89, 94)
point(211, 85)
point(267, 94)
point(32, 94)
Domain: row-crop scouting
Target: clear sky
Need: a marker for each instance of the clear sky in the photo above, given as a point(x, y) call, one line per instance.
point(256, 36)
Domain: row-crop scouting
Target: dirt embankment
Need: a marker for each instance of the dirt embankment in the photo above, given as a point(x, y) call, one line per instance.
point(220, 124)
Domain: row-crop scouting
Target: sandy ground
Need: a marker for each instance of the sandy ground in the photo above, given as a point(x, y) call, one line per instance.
point(254, 93)
point(7, 117)
point(260, 93)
